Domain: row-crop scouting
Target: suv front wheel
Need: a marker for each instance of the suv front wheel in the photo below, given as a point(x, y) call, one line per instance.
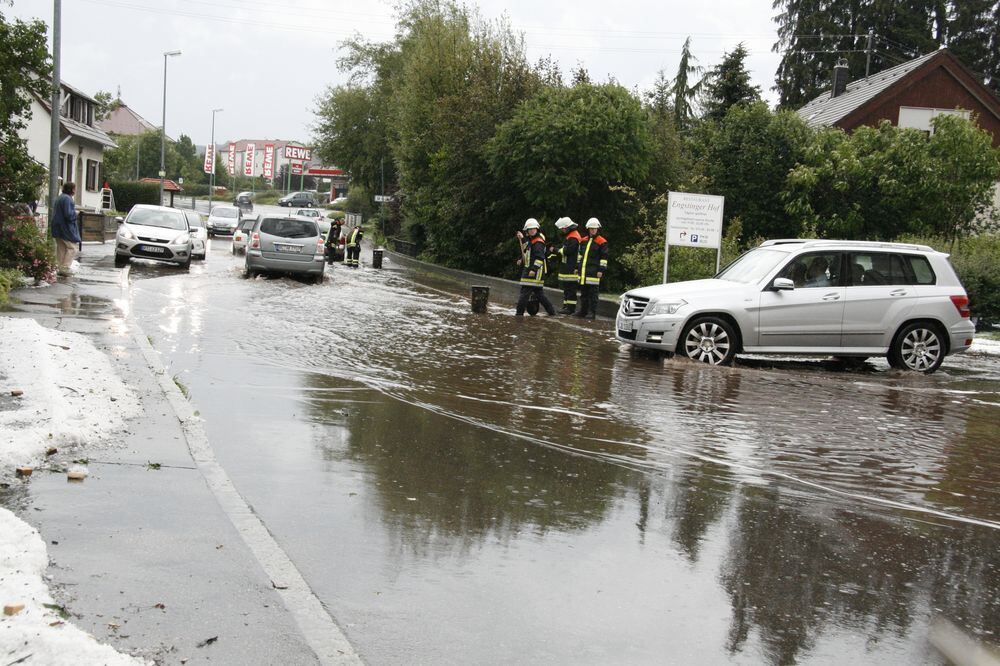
point(918, 347)
point(710, 340)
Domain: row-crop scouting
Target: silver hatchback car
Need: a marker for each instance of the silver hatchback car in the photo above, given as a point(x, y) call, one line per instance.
point(817, 297)
point(154, 232)
point(285, 244)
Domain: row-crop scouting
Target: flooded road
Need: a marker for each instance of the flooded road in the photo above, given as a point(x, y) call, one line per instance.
point(465, 488)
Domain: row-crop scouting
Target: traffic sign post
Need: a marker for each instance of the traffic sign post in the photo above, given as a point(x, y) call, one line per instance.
point(693, 220)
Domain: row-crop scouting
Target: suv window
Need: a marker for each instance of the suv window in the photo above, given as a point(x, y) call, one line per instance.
point(285, 228)
point(921, 269)
point(878, 268)
point(821, 269)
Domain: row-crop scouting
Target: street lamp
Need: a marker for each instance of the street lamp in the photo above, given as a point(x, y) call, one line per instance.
point(163, 126)
point(211, 174)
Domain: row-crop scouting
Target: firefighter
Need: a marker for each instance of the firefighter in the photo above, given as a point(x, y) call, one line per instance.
point(354, 247)
point(593, 264)
point(333, 240)
point(569, 257)
point(533, 270)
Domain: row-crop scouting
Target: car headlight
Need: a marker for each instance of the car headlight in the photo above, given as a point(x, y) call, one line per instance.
point(183, 238)
point(126, 233)
point(666, 307)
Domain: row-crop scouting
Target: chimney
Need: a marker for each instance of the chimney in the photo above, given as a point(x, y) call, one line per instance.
point(841, 75)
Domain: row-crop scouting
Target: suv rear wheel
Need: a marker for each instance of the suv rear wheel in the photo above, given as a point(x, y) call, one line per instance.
point(710, 340)
point(918, 347)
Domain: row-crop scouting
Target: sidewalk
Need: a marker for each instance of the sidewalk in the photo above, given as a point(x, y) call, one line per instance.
point(140, 553)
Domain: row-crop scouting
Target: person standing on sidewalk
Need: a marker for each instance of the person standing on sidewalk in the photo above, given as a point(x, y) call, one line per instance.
point(354, 247)
point(533, 271)
point(593, 264)
point(569, 257)
point(65, 230)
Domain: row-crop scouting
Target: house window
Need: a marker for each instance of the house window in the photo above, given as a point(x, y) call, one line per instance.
point(92, 167)
point(62, 165)
point(68, 177)
point(920, 118)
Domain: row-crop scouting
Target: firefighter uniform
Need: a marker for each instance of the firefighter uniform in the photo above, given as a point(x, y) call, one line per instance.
point(333, 241)
point(533, 273)
point(593, 260)
point(354, 247)
point(569, 257)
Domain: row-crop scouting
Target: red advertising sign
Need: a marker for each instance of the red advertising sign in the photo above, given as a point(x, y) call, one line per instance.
point(248, 157)
point(300, 153)
point(231, 164)
point(209, 159)
point(296, 168)
point(268, 160)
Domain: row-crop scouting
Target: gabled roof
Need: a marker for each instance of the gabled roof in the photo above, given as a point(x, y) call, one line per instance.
point(87, 132)
point(826, 110)
point(168, 185)
point(125, 121)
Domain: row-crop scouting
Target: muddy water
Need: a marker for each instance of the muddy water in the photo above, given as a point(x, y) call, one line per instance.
point(462, 488)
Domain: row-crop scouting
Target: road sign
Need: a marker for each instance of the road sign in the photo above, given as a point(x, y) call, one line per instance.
point(383, 198)
point(296, 168)
point(693, 220)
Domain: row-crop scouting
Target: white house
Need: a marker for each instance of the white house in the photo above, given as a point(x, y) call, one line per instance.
point(81, 142)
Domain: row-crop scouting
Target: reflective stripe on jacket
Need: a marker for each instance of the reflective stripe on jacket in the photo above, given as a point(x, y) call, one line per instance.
point(594, 259)
point(354, 239)
point(534, 261)
point(570, 253)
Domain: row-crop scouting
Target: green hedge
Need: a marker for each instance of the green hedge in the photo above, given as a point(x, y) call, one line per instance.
point(130, 193)
point(10, 279)
point(24, 249)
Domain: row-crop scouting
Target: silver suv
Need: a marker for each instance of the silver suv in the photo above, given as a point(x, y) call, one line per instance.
point(818, 297)
point(286, 245)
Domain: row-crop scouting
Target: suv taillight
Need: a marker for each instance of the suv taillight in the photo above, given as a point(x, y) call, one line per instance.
point(320, 245)
point(962, 305)
point(255, 241)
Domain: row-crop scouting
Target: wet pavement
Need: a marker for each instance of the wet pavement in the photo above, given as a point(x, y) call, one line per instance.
point(464, 488)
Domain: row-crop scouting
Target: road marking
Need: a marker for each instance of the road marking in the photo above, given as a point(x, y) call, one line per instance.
point(320, 630)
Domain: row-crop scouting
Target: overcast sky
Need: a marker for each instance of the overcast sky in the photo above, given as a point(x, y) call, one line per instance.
point(265, 63)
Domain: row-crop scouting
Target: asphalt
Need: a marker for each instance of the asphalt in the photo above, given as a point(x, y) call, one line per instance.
point(201, 594)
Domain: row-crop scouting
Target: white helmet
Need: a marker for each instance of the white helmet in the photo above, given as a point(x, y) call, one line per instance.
point(593, 223)
point(531, 223)
point(564, 223)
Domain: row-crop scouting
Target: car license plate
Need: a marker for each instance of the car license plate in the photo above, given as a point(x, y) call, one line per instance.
point(297, 249)
point(624, 325)
point(154, 249)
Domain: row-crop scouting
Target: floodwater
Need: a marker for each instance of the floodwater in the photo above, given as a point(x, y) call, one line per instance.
point(461, 488)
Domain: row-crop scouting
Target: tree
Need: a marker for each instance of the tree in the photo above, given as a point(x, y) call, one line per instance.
point(25, 71)
point(746, 157)
point(141, 151)
point(106, 104)
point(728, 84)
point(974, 37)
point(684, 90)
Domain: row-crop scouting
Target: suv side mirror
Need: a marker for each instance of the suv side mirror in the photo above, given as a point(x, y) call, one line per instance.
point(782, 284)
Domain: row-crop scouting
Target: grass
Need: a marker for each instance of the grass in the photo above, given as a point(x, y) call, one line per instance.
point(989, 335)
point(180, 385)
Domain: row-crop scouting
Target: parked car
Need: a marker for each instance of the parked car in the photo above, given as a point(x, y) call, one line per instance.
point(848, 299)
point(199, 234)
point(223, 220)
point(244, 201)
point(241, 237)
point(304, 199)
point(287, 245)
point(339, 200)
point(318, 217)
point(154, 232)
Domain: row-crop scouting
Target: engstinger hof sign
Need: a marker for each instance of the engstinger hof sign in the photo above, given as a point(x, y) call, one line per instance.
point(209, 159)
point(268, 160)
point(298, 153)
point(248, 157)
point(231, 163)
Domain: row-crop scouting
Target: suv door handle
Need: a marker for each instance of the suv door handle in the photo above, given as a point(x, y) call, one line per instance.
point(898, 292)
point(832, 297)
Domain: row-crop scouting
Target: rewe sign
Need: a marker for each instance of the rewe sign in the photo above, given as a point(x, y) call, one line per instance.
point(298, 153)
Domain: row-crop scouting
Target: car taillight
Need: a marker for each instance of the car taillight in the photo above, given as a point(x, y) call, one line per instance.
point(320, 245)
point(255, 241)
point(962, 305)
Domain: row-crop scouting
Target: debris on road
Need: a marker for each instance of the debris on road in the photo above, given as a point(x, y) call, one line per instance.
point(76, 474)
point(12, 609)
point(17, 393)
point(23, 471)
point(207, 641)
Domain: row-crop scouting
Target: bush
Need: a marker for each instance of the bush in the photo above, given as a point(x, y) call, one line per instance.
point(130, 193)
point(977, 261)
point(336, 215)
point(9, 280)
point(23, 248)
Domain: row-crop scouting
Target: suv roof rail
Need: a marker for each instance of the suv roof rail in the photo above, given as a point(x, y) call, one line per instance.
point(814, 242)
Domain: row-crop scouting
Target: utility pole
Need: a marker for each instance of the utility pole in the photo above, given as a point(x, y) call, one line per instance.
point(56, 111)
point(868, 52)
point(163, 126)
point(211, 175)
